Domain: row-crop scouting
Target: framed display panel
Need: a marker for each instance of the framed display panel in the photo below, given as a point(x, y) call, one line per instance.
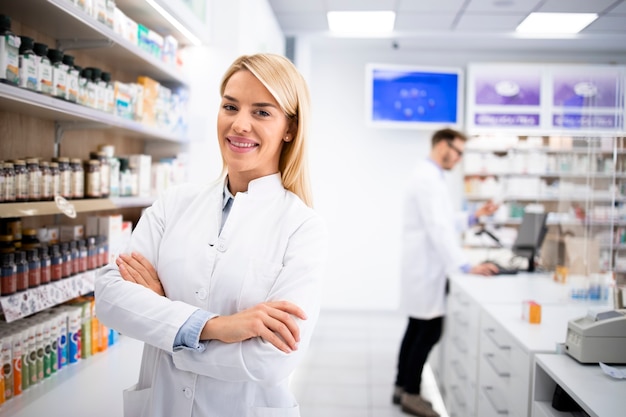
point(414, 97)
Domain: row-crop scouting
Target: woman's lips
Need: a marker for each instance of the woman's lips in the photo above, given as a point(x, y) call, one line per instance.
point(241, 144)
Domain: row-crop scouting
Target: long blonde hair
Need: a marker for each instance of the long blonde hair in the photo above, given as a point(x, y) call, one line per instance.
point(290, 90)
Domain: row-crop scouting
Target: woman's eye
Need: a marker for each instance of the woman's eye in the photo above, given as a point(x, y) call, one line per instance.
point(229, 107)
point(262, 113)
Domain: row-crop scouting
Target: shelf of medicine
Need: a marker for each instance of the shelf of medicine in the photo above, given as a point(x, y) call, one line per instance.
point(593, 175)
point(578, 151)
point(18, 100)
point(28, 302)
point(66, 22)
point(581, 197)
point(43, 208)
point(549, 222)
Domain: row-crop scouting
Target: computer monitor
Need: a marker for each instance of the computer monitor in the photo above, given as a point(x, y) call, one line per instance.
point(530, 237)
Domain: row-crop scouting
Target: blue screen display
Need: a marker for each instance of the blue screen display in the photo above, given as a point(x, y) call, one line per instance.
point(410, 96)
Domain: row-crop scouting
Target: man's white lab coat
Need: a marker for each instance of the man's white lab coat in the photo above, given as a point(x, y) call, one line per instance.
point(272, 247)
point(430, 242)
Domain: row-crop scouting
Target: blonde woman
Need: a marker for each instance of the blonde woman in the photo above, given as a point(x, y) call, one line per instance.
point(222, 282)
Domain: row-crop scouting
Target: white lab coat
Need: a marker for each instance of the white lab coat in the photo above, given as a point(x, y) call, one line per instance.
point(430, 243)
point(272, 247)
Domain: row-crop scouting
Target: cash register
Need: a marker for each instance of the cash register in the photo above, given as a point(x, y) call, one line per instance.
point(598, 338)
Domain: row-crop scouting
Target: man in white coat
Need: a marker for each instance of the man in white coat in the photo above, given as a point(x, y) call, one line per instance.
point(431, 251)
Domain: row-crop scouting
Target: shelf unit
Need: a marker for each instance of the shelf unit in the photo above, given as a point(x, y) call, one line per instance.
point(38, 123)
point(582, 183)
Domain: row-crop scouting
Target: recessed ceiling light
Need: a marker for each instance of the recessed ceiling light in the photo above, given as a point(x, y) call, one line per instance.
point(361, 22)
point(566, 23)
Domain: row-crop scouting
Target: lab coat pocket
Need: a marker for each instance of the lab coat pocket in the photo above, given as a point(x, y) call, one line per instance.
point(136, 401)
point(275, 412)
point(260, 278)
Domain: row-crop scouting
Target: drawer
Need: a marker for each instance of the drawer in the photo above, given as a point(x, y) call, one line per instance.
point(504, 372)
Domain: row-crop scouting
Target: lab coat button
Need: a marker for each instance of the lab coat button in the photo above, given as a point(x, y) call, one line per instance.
point(188, 392)
point(201, 293)
point(221, 246)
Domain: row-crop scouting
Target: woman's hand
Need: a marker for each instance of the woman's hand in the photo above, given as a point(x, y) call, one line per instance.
point(272, 321)
point(135, 268)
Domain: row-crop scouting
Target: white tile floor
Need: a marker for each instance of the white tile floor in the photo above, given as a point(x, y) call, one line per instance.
point(349, 370)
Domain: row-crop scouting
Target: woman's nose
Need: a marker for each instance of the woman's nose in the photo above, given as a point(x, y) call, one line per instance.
point(241, 123)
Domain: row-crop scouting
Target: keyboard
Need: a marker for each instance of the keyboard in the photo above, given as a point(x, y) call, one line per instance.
point(503, 270)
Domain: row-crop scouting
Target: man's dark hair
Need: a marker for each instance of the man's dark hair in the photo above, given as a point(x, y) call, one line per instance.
point(447, 135)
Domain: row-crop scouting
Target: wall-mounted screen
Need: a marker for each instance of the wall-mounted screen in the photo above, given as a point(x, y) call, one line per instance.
point(413, 97)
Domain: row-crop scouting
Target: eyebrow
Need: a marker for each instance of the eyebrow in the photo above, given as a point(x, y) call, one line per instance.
point(230, 98)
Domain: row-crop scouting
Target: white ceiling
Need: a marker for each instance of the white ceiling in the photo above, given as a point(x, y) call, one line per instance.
point(463, 23)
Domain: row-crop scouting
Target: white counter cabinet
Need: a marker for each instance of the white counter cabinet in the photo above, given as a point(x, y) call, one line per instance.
point(596, 393)
point(487, 351)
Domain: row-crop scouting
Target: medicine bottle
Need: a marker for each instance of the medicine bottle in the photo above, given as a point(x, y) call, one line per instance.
point(75, 255)
point(65, 177)
point(44, 68)
point(21, 270)
point(92, 253)
point(56, 263)
point(46, 181)
point(6, 243)
point(72, 79)
point(93, 186)
point(67, 269)
point(87, 88)
point(99, 88)
point(82, 255)
point(105, 172)
point(34, 268)
point(59, 73)
point(9, 52)
point(56, 178)
point(30, 240)
point(34, 179)
point(9, 182)
point(21, 180)
point(28, 64)
point(109, 93)
point(78, 178)
point(8, 280)
point(45, 263)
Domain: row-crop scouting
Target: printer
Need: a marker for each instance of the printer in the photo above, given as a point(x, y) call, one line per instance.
point(598, 338)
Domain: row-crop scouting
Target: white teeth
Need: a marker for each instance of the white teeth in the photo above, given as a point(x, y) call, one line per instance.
point(243, 145)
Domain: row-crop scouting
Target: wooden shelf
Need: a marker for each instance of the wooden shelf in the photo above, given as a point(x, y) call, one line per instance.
point(43, 208)
point(18, 100)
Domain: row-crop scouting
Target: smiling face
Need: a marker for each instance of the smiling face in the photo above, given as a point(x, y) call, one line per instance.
point(251, 129)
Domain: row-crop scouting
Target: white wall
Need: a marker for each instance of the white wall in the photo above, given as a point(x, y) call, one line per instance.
point(358, 172)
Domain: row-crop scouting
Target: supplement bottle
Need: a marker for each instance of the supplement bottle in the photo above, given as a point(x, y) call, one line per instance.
point(72, 79)
point(78, 178)
point(9, 52)
point(65, 177)
point(34, 179)
point(44, 68)
point(59, 73)
point(45, 263)
point(9, 182)
point(93, 186)
point(8, 280)
point(56, 179)
point(21, 180)
point(46, 181)
point(109, 93)
point(29, 75)
point(21, 268)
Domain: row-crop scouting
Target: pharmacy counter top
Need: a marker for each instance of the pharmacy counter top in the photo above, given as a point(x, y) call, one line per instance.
point(92, 387)
point(502, 289)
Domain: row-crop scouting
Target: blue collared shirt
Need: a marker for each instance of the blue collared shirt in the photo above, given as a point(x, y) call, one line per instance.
point(188, 336)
